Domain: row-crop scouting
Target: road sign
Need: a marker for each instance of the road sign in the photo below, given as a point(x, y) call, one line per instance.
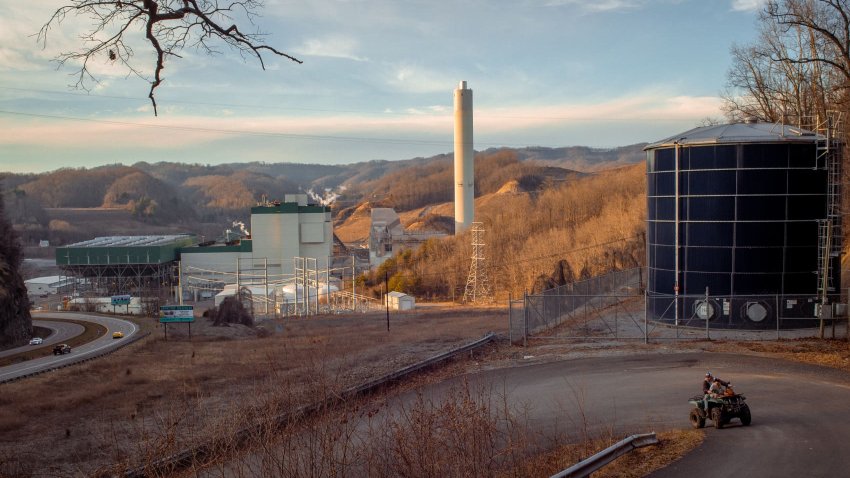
point(120, 300)
point(176, 313)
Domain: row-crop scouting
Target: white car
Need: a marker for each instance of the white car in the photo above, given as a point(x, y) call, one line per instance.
point(36, 341)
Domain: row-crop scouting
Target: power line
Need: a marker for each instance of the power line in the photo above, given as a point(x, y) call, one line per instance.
point(493, 267)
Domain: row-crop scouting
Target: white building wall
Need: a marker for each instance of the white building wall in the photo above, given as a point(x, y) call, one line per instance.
point(211, 266)
point(317, 230)
point(267, 233)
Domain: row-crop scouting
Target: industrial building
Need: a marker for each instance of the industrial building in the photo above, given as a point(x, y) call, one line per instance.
point(280, 233)
point(287, 240)
point(139, 265)
point(400, 301)
point(387, 236)
point(384, 227)
point(743, 226)
point(42, 286)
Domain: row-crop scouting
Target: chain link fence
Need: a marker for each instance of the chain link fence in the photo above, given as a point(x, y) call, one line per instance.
point(773, 316)
point(611, 297)
point(614, 306)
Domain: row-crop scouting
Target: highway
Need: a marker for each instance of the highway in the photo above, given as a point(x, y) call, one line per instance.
point(63, 332)
point(60, 332)
point(799, 411)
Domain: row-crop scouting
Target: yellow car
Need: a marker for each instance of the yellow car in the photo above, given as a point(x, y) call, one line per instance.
point(117, 335)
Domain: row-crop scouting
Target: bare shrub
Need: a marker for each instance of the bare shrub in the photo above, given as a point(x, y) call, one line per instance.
point(230, 311)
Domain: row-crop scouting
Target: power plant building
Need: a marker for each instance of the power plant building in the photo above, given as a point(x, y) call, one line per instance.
point(156, 265)
point(743, 226)
point(279, 233)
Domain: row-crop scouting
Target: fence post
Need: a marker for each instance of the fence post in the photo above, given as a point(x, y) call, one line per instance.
point(707, 335)
point(510, 318)
point(525, 320)
point(616, 328)
point(778, 314)
point(560, 317)
point(645, 317)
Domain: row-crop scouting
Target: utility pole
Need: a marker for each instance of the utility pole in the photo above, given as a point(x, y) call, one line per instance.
point(387, 297)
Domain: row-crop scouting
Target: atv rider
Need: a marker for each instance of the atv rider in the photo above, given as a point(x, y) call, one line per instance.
point(707, 391)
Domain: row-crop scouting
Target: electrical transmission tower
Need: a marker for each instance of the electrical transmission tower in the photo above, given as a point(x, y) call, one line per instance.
point(477, 284)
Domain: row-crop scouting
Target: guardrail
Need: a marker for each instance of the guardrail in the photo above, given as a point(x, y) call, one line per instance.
point(186, 457)
point(81, 359)
point(585, 467)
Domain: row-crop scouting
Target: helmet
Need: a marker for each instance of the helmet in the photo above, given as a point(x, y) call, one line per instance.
point(708, 374)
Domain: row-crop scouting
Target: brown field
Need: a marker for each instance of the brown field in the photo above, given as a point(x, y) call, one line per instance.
point(154, 398)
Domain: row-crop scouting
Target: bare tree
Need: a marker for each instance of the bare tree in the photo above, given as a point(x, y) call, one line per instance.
point(791, 72)
point(828, 24)
point(165, 26)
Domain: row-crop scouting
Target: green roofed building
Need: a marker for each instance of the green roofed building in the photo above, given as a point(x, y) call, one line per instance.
point(125, 264)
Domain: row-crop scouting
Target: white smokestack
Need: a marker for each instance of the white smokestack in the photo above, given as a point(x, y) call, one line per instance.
point(464, 160)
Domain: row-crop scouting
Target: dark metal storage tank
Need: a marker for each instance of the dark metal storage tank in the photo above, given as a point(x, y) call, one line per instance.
point(754, 236)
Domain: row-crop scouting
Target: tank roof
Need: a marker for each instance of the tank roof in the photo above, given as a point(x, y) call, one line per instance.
point(739, 133)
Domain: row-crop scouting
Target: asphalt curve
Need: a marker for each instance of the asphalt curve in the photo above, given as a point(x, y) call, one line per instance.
point(59, 332)
point(799, 411)
point(92, 348)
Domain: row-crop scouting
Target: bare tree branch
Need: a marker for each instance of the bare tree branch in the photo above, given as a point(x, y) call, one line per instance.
point(166, 26)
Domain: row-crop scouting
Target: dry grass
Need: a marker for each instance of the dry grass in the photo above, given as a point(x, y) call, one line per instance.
point(465, 432)
point(833, 353)
point(123, 408)
point(672, 445)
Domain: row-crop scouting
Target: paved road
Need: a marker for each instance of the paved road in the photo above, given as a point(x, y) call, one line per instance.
point(92, 348)
point(799, 426)
point(60, 332)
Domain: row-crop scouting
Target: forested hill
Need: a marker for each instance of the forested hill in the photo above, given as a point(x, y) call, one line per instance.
point(175, 194)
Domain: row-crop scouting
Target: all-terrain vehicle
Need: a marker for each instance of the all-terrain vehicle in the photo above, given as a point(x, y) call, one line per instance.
point(61, 349)
point(721, 410)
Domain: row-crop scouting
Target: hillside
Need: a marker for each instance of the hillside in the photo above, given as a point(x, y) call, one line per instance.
point(167, 195)
point(594, 223)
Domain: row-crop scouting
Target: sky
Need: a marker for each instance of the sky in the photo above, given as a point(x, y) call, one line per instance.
point(376, 82)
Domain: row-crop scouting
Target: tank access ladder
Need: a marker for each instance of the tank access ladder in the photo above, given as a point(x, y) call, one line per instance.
point(829, 152)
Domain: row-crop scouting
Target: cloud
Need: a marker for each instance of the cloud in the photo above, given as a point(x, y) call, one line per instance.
point(331, 47)
point(638, 108)
point(170, 132)
point(747, 5)
point(417, 79)
point(599, 5)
